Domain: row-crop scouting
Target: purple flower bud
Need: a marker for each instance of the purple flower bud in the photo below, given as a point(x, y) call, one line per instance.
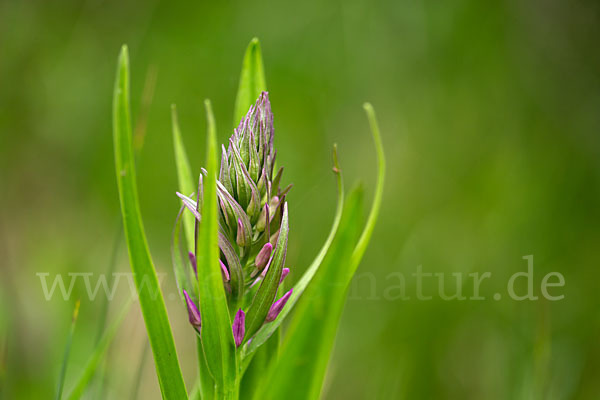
point(193, 262)
point(239, 327)
point(262, 258)
point(224, 272)
point(193, 312)
point(278, 306)
point(284, 273)
point(241, 237)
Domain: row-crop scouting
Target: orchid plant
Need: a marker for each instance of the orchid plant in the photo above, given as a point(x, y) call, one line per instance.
point(229, 252)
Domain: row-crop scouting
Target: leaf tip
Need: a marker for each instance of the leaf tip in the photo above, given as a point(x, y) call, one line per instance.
point(124, 54)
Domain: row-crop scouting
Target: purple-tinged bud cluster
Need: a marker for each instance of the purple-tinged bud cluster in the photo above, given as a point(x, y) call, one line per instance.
point(251, 218)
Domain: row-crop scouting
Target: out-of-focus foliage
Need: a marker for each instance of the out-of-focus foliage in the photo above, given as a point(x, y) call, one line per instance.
point(489, 114)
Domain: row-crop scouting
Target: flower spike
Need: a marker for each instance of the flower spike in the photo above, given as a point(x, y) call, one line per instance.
point(250, 203)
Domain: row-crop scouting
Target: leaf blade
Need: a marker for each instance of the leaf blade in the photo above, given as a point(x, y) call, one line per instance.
point(217, 334)
point(268, 329)
point(298, 372)
point(252, 81)
point(365, 236)
point(264, 297)
point(151, 300)
point(308, 345)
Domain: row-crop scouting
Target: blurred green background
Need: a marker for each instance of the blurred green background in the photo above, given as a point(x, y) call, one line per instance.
point(490, 115)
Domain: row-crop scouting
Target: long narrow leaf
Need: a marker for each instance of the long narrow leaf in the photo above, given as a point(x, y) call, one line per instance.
point(65, 362)
point(299, 371)
point(151, 299)
point(267, 330)
point(254, 374)
point(252, 81)
point(99, 351)
point(359, 251)
point(217, 335)
point(264, 297)
point(310, 339)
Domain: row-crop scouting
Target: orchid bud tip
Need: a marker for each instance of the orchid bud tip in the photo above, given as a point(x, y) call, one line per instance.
point(239, 327)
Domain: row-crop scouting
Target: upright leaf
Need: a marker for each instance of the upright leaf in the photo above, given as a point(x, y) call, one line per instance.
point(151, 299)
point(264, 297)
point(267, 330)
point(298, 372)
point(217, 335)
point(252, 81)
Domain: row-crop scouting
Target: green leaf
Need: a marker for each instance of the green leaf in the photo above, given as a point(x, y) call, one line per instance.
point(252, 81)
point(217, 334)
point(65, 362)
point(254, 374)
point(206, 383)
point(299, 371)
point(267, 330)
point(264, 297)
point(99, 352)
point(184, 177)
point(150, 297)
point(365, 237)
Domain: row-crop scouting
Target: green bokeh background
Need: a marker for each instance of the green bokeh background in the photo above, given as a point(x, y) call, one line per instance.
point(490, 116)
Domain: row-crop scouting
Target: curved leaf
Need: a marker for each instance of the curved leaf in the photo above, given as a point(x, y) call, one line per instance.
point(267, 330)
point(299, 371)
point(264, 297)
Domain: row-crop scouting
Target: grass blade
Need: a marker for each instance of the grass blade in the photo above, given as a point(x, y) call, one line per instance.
point(63, 368)
point(151, 300)
point(101, 348)
point(299, 371)
point(252, 81)
point(217, 335)
point(267, 330)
